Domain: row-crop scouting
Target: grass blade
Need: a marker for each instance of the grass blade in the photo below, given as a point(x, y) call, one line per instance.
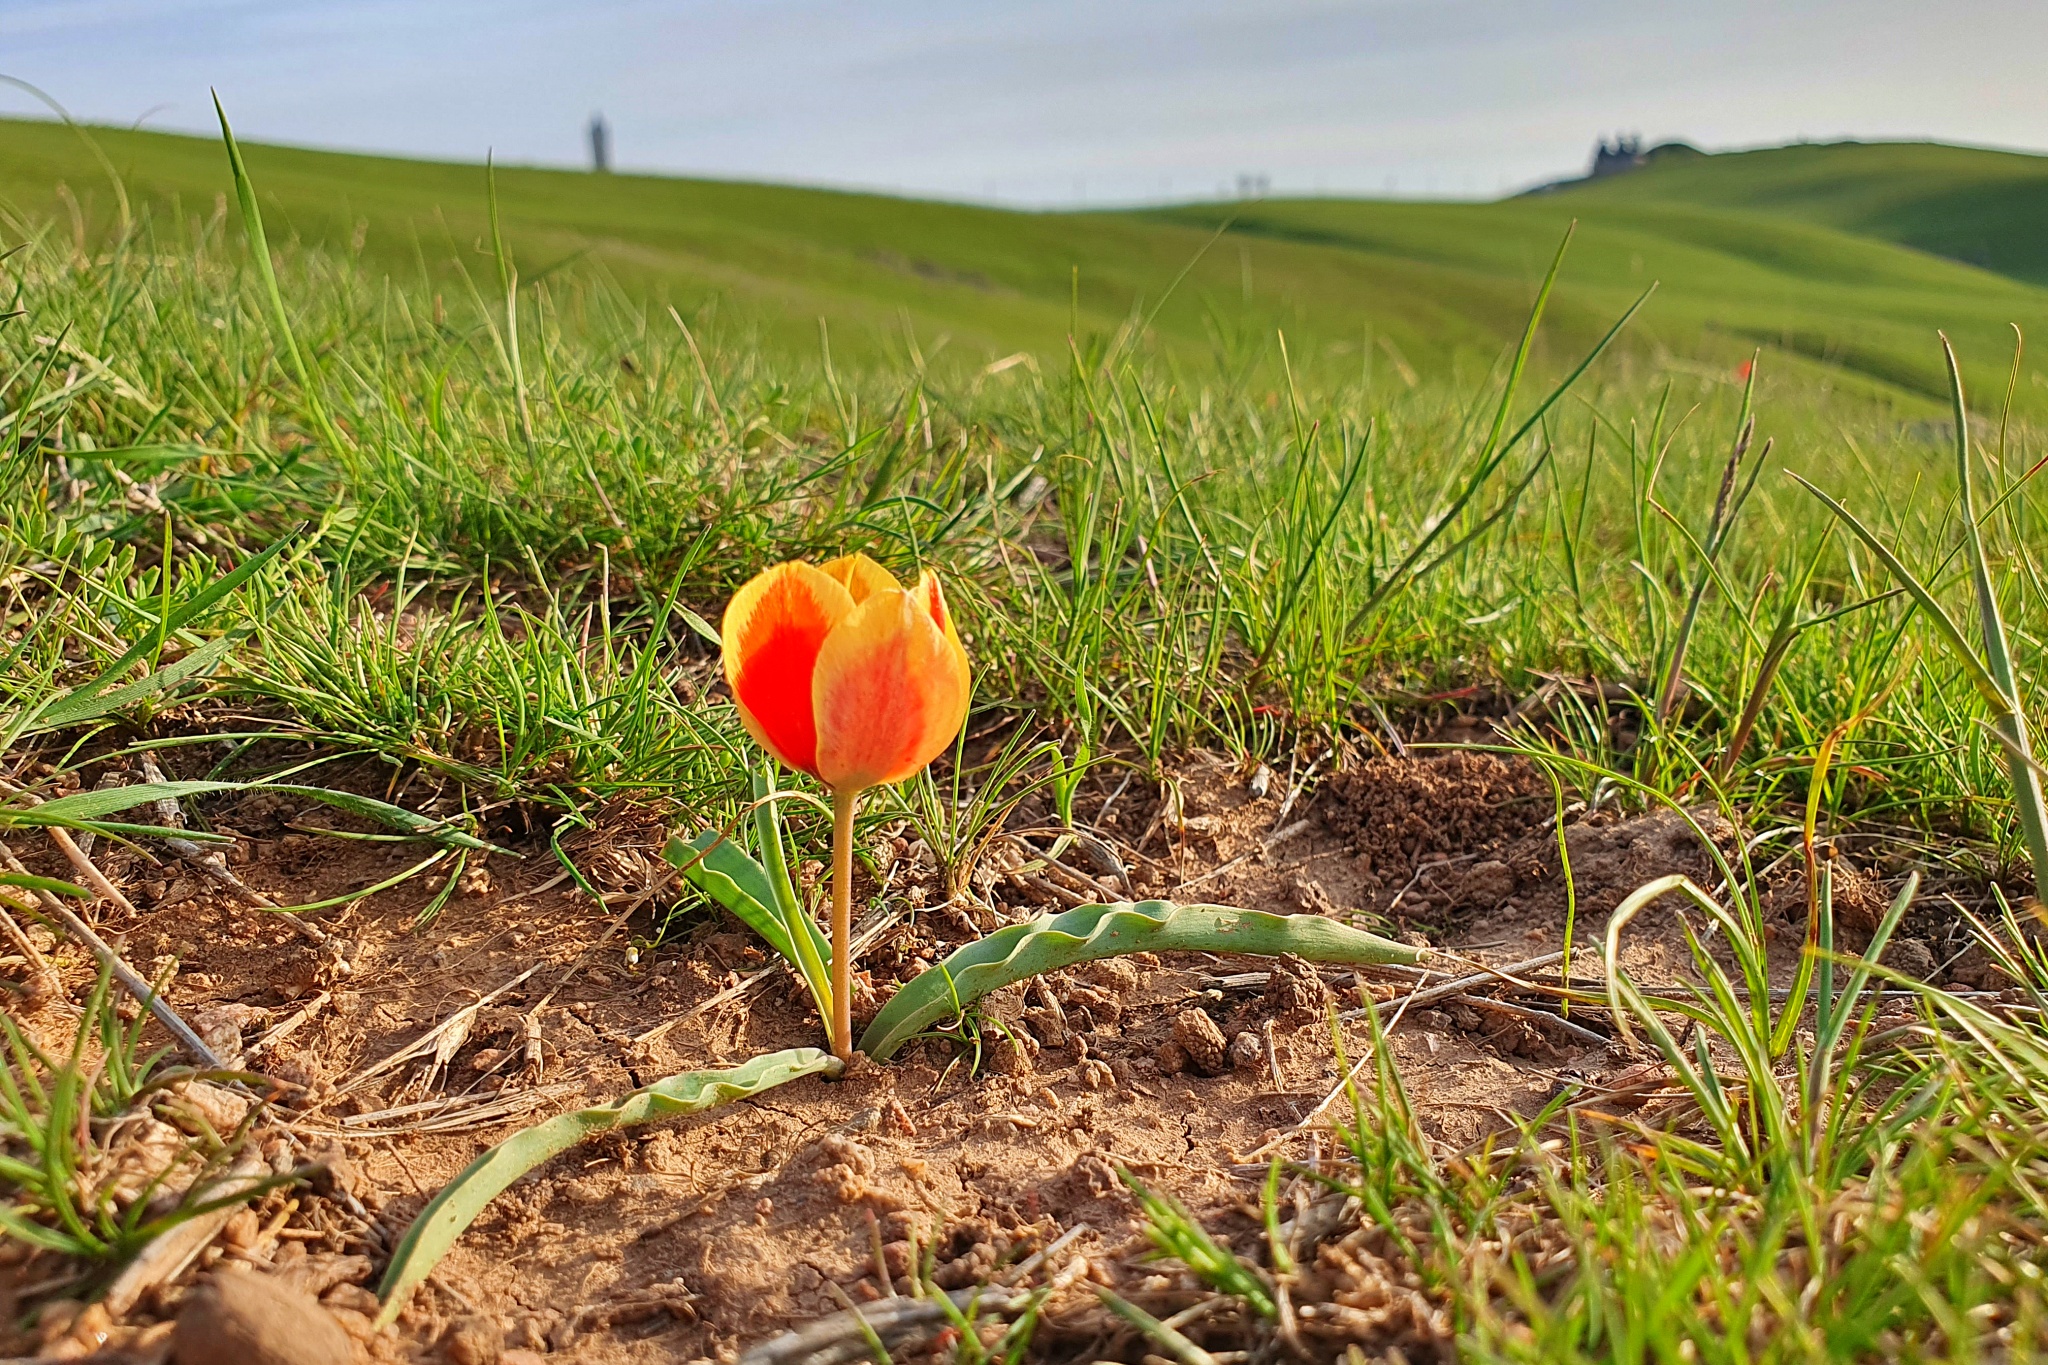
point(1973, 667)
point(1183, 1350)
point(266, 274)
point(1496, 449)
point(89, 703)
point(30, 882)
point(88, 806)
point(508, 282)
point(2012, 721)
point(1176, 1233)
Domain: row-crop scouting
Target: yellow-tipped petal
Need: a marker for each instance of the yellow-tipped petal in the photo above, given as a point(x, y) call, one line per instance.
point(890, 691)
point(862, 577)
point(773, 630)
point(932, 598)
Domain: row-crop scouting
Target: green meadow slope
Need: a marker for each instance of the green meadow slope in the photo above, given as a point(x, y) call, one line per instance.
point(1733, 276)
point(1983, 207)
point(1403, 287)
point(880, 270)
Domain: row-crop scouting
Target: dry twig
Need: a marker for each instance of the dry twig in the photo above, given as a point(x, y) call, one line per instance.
point(130, 981)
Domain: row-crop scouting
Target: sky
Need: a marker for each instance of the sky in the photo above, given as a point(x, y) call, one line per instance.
point(1047, 102)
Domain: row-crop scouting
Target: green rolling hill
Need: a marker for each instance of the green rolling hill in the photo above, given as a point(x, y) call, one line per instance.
point(1729, 280)
point(1982, 207)
point(1749, 250)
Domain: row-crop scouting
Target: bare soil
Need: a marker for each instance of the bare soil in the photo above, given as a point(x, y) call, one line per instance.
point(703, 1238)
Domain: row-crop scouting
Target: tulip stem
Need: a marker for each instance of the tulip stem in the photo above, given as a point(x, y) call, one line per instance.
point(843, 802)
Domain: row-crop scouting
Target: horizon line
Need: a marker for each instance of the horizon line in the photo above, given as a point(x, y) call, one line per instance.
point(1082, 205)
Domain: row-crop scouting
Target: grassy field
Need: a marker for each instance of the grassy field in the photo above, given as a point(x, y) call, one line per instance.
point(1385, 290)
point(1969, 204)
point(500, 520)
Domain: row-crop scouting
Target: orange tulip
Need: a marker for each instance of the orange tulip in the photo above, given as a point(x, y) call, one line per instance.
point(842, 673)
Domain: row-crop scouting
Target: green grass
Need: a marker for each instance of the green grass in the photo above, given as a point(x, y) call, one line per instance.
point(1127, 536)
point(65, 1194)
point(1728, 279)
point(1386, 290)
point(499, 546)
point(1969, 204)
point(887, 274)
point(1863, 1191)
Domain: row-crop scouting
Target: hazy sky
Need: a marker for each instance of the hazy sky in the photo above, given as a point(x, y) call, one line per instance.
point(1049, 101)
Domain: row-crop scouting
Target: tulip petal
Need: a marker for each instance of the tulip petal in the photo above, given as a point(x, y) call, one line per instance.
point(773, 630)
point(890, 691)
point(933, 600)
point(862, 577)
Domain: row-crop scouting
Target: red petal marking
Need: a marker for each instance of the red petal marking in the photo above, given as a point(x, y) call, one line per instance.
point(777, 648)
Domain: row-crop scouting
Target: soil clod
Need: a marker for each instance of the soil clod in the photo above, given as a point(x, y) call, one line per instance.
point(1202, 1041)
point(252, 1319)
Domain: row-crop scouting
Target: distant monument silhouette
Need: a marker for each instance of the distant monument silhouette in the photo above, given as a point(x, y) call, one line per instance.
point(600, 144)
point(1624, 154)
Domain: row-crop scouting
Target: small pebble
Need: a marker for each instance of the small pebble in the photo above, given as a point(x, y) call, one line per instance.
point(1247, 1053)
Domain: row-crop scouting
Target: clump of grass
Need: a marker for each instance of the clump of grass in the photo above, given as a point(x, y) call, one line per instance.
point(85, 1178)
point(515, 614)
point(1864, 1191)
point(1176, 1233)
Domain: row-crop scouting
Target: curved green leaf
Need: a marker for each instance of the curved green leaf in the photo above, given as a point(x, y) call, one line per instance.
point(91, 702)
point(729, 875)
point(724, 871)
point(464, 1197)
point(156, 455)
point(1098, 931)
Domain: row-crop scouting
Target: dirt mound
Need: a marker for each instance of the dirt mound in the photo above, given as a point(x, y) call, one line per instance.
point(1613, 854)
point(1394, 812)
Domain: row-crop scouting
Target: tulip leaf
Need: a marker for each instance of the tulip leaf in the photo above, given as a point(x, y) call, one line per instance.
point(727, 873)
point(463, 1198)
point(1091, 932)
